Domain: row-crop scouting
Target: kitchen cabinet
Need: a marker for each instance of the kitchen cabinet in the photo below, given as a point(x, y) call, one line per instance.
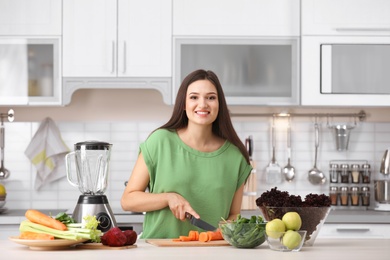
point(355, 231)
point(117, 44)
point(345, 17)
point(26, 17)
point(236, 18)
point(124, 38)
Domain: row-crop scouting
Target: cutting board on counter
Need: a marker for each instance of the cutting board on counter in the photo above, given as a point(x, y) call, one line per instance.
point(101, 246)
point(170, 243)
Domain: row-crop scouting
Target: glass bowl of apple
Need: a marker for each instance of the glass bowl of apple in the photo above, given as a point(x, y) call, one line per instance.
point(286, 241)
point(313, 211)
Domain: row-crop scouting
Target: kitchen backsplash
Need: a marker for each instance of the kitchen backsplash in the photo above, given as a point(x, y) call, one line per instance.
point(368, 141)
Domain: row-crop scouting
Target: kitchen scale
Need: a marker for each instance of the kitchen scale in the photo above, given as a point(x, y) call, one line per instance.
point(92, 164)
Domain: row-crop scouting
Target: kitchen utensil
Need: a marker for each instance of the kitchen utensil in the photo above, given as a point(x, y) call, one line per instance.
point(92, 163)
point(289, 170)
point(273, 170)
point(199, 223)
point(382, 191)
point(4, 173)
point(315, 175)
point(342, 133)
point(169, 243)
point(385, 163)
point(250, 187)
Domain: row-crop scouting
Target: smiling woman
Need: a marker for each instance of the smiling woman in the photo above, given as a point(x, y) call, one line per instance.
point(187, 161)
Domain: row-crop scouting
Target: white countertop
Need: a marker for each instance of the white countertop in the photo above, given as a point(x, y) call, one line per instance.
point(327, 249)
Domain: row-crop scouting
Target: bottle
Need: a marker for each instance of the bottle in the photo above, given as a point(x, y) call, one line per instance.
point(333, 194)
point(366, 173)
point(355, 172)
point(334, 173)
point(365, 194)
point(344, 196)
point(354, 196)
point(344, 173)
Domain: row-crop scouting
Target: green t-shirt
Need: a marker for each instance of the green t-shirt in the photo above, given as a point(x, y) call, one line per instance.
point(207, 180)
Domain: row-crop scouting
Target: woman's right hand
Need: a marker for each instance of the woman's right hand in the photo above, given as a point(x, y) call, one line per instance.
point(179, 206)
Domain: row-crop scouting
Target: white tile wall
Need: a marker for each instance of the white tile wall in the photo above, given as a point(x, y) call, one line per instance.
point(368, 142)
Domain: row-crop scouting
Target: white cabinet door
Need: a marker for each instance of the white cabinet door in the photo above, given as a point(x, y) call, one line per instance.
point(124, 38)
point(345, 17)
point(89, 38)
point(144, 38)
point(236, 17)
point(26, 17)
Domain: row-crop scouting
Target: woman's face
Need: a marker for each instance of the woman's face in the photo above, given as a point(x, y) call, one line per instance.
point(202, 102)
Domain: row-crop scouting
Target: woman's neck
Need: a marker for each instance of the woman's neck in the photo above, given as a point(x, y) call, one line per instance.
point(200, 138)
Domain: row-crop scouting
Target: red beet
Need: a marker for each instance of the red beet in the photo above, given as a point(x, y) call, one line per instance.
point(114, 237)
point(131, 237)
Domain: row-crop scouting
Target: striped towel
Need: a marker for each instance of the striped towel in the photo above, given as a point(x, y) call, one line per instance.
point(46, 152)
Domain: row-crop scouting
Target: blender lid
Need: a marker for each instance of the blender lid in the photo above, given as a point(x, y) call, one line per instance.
point(92, 145)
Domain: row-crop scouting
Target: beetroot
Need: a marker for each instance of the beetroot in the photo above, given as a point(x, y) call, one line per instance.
point(114, 237)
point(131, 237)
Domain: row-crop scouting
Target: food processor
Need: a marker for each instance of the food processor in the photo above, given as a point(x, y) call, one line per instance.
point(92, 166)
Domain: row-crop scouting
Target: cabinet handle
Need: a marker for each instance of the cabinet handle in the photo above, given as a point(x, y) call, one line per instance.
point(124, 57)
point(113, 57)
point(352, 229)
point(351, 29)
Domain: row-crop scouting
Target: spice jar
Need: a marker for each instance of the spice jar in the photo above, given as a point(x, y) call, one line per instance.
point(354, 196)
point(366, 173)
point(333, 172)
point(365, 194)
point(355, 173)
point(344, 173)
point(333, 194)
point(344, 196)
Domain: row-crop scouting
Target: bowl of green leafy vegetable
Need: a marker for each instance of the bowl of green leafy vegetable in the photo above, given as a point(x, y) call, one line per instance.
point(243, 232)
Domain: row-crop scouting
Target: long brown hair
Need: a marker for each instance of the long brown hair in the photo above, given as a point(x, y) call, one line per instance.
point(222, 126)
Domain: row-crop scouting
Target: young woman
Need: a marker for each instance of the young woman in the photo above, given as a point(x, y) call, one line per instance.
point(194, 163)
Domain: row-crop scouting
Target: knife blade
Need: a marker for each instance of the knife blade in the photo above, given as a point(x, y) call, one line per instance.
point(199, 223)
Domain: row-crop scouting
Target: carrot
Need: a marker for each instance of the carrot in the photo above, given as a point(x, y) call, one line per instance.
point(194, 235)
point(176, 239)
point(215, 235)
point(38, 217)
point(204, 237)
point(35, 236)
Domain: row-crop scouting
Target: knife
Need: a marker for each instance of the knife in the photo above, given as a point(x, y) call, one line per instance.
point(199, 223)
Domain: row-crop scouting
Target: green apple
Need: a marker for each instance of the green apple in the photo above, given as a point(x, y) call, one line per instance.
point(2, 189)
point(292, 220)
point(275, 228)
point(291, 239)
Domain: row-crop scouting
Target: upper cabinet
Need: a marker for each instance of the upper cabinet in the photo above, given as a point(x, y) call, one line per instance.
point(236, 18)
point(345, 17)
point(124, 38)
point(27, 17)
point(30, 52)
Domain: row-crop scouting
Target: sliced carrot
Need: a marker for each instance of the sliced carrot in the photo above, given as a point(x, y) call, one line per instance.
point(176, 240)
point(204, 237)
point(215, 235)
point(35, 236)
point(194, 235)
point(38, 217)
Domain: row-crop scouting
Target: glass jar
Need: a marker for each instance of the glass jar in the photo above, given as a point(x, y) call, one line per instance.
point(365, 194)
point(333, 194)
point(354, 192)
point(355, 173)
point(334, 173)
point(366, 173)
point(344, 173)
point(344, 196)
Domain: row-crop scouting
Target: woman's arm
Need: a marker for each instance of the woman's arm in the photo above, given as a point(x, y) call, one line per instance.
point(135, 198)
point(235, 208)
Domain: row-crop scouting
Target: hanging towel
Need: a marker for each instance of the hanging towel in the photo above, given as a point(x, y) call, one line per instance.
point(46, 152)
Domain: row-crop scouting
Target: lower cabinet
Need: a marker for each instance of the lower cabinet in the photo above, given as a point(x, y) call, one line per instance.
point(355, 231)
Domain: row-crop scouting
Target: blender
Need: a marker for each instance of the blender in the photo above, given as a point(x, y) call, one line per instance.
point(92, 164)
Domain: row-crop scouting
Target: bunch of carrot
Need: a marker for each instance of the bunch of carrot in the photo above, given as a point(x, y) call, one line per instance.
point(205, 236)
point(40, 218)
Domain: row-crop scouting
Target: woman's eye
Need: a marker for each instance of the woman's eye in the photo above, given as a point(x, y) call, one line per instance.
point(212, 97)
point(193, 97)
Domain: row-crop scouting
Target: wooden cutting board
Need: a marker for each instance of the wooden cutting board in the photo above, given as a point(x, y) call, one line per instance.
point(101, 246)
point(170, 243)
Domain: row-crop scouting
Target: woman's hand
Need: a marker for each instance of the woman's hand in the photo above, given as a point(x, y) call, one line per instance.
point(179, 206)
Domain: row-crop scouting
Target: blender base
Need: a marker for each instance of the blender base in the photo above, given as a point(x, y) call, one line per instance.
point(95, 205)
